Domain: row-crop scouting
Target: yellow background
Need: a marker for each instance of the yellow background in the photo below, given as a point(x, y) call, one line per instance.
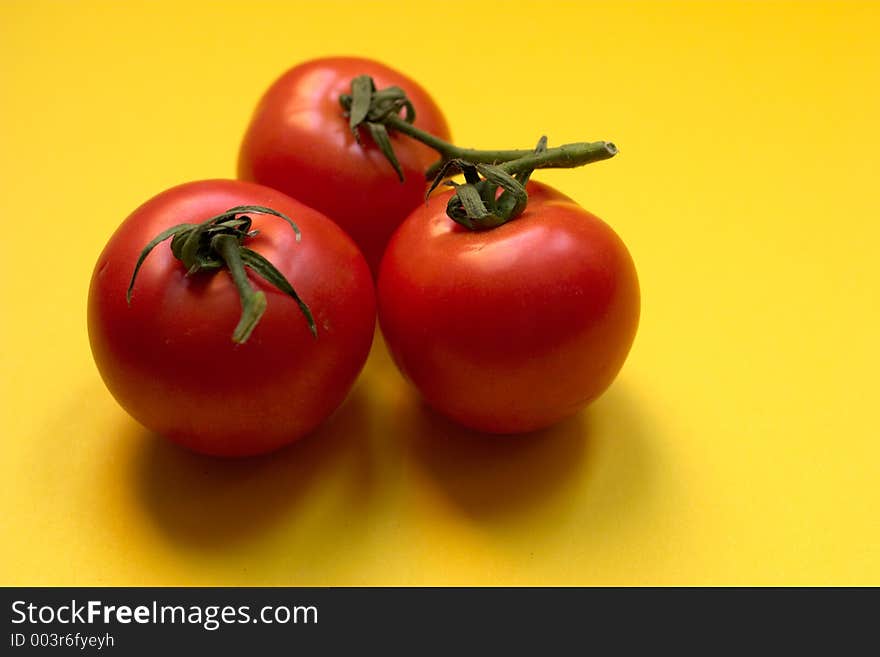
point(738, 446)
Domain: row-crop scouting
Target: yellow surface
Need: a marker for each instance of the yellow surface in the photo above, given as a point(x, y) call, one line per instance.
point(738, 446)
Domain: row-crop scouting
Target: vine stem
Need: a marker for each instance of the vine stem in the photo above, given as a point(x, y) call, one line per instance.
point(475, 204)
point(513, 160)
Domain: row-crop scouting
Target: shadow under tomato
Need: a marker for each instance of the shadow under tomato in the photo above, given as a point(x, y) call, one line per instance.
point(211, 502)
point(487, 475)
point(500, 478)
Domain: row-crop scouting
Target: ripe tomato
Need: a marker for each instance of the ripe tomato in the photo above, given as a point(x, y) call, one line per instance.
point(299, 142)
point(168, 357)
point(511, 329)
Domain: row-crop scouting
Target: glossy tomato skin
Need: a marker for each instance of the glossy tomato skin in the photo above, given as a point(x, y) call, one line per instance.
point(299, 142)
point(512, 329)
point(168, 357)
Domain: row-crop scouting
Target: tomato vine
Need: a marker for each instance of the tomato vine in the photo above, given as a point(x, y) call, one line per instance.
point(476, 204)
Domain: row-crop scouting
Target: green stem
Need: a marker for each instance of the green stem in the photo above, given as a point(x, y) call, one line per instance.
point(443, 147)
point(475, 204)
point(560, 157)
point(450, 151)
point(253, 302)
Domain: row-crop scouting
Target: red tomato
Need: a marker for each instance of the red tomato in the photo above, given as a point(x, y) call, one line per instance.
point(299, 142)
point(168, 357)
point(511, 329)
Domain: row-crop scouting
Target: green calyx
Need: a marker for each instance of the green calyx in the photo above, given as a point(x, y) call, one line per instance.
point(219, 243)
point(476, 204)
point(367, 107)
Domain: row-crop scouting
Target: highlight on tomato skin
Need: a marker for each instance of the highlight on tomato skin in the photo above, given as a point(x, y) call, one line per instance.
point(168, 357)
point(512, 329)
point(299, 142)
